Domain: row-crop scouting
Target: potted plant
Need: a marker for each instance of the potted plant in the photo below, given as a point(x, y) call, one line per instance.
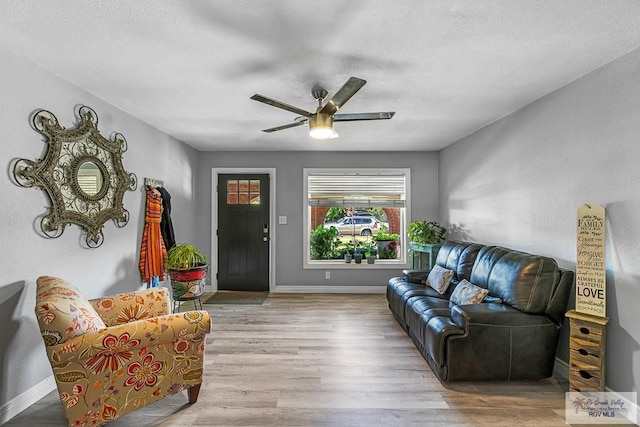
point(387, 243)
point(426, 233)
point(348, 250)
point(371, 259)
point(371, 251)
point(426, 240)
point(324, 242)
point(187, 267)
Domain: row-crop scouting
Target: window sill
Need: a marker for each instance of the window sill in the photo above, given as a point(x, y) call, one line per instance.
point(341, 264)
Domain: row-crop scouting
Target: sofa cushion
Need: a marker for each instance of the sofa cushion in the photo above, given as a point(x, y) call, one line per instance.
point(439, 278)
point(468, 293)
point(420, 309)
point(62, 313)
point(523, 281)
point(459, 257)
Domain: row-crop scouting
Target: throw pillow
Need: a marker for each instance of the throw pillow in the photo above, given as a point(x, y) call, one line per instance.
point(439, 278)
point(62, 313)
point(468, 293)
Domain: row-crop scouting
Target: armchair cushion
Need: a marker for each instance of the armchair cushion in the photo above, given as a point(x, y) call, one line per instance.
point(61, 313)
point(130, 306)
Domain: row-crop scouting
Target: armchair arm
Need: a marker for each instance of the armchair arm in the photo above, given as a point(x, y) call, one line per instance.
point(111, 344)
point(125, 307)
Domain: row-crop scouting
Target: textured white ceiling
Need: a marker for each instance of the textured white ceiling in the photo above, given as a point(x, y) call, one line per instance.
point(447, 68)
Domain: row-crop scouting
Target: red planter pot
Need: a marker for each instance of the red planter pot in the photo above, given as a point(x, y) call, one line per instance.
point(188, 283)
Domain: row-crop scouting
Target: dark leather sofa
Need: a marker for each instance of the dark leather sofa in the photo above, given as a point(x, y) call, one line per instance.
point(512, 335)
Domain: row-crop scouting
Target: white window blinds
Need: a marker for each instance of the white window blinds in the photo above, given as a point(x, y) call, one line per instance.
point(357, 189)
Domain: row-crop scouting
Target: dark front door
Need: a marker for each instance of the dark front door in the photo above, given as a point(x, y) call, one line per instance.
point(243, 232)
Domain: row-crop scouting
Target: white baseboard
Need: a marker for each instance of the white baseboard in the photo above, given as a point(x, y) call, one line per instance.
point(561, 369)
point(293, 289)
point(26, 399)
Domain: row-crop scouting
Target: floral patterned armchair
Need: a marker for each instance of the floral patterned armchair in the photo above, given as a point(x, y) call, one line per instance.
point(113, 355)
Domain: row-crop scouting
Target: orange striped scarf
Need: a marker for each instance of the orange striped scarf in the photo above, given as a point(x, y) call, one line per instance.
point(153, 254)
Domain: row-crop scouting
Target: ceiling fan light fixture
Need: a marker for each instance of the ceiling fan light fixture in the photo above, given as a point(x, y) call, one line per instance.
point(321, 126)
point(321, 132)
point(321, 122)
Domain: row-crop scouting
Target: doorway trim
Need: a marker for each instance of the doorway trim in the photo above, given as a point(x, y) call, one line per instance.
point(271, 172)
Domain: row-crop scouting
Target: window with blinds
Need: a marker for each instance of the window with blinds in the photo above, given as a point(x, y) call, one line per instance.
point(362, 189)
point(382, 194)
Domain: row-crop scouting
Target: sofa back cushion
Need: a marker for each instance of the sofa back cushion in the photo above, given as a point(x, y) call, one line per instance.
point(459, 257)
point(62, 312)
point(522, 280)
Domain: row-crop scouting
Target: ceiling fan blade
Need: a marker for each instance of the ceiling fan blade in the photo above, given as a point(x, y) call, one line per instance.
point(290, 125)
point(343, 94)
point(363, 116)
point(279, 104)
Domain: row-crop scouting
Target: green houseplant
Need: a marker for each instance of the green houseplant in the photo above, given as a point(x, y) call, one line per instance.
point(387, 243)
point(426, 240)
point(324, 242)
point(426, 233)
point(187, 267)
point(185, 256)
point(347, 249)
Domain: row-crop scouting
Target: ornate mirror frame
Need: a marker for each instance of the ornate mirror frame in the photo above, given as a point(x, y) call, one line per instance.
point(88, 199)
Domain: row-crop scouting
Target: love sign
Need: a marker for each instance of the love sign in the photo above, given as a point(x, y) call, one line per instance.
point(591, 290)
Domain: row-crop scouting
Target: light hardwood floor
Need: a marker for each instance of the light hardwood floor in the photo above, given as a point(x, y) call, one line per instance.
point(327, 360)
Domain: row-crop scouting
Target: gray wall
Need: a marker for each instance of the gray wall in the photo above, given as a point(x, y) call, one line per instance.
point(289, 193)
point(25, 255)
point(519, 182)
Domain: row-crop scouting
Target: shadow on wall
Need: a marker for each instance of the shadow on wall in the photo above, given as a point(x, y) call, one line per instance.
point(622, 296)
point(9, 300)
point(127, 273)
point(621, 345)
point(457, 232)
point(562, 351)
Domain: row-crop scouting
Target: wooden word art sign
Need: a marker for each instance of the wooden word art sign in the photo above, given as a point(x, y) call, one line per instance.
point(591, 292)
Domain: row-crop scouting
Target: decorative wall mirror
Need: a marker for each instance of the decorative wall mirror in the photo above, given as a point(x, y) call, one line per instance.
point(81, 173)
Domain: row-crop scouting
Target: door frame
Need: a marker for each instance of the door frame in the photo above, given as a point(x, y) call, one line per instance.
point(271, 172)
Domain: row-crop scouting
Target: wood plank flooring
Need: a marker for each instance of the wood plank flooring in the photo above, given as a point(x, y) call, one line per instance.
point(327, 360)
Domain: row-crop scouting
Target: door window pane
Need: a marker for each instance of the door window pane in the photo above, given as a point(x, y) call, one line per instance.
point(232, 192)
point(254, 192)
point(243, 192)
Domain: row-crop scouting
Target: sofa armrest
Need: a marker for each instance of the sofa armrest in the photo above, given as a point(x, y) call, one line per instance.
point(560, 297)
point(500, 342)
point(188, 328)
point(415, 276)
point(492, 314)
point(125, 307)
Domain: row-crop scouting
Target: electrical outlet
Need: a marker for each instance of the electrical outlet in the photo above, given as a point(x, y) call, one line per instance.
point(327, 275)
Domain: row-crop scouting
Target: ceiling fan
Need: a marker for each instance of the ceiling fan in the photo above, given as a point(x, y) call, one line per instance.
point(321, 122)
